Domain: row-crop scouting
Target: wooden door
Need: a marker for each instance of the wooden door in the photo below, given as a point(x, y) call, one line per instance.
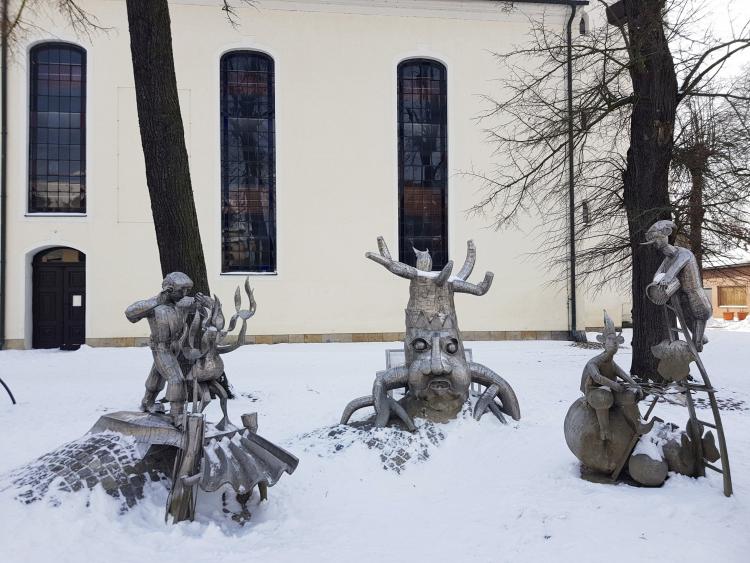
point(59, 300)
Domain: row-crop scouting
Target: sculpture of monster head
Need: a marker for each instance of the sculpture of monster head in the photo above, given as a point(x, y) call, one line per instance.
point(439, 377)
point(436, 374)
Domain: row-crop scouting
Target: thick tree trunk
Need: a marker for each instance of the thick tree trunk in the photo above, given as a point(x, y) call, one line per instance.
point(696, 214)
point(163, 141)
point(647, 170)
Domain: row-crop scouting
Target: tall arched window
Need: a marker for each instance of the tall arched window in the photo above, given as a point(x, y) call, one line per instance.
point(248, 177)
point(57, 129)
point(422, 160)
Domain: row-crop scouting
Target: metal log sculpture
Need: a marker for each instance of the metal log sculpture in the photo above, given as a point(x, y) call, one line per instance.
point(437, 377)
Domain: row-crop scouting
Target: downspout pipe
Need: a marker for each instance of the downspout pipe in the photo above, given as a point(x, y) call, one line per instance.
point(575, 334)
point(3, 167)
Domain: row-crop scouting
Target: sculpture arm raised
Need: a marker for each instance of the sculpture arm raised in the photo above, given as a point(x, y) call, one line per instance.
point(142, 309)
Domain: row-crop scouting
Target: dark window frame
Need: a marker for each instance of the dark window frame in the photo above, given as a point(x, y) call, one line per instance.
point(436, 118)
point(40, 141)
point(258, 201)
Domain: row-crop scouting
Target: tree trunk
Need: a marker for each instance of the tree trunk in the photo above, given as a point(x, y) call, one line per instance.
point(696, 214)
point(163, 141)
point(647, 169)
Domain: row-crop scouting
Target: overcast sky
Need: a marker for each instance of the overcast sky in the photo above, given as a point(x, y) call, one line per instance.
point(726, 14)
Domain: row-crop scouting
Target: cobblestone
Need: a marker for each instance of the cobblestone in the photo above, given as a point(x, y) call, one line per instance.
point(107, 459)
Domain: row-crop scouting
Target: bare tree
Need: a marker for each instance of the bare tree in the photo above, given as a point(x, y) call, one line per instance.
point(163, 138)
point(710, 187)
point(624, 79)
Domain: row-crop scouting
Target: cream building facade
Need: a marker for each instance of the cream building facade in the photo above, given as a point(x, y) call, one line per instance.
point(335, 96)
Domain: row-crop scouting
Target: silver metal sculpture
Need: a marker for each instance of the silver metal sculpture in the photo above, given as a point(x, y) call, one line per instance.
point(677, 288)
point(602, 427)
point(187, 341)
point(166, 314)
point(436, 375)
point(187, 356)
point(679, 275)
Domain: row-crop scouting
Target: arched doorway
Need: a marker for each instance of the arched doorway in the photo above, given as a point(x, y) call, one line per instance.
point(59, 299)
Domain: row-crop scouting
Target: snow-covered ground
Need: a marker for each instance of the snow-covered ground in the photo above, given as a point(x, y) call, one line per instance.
point(487, 492)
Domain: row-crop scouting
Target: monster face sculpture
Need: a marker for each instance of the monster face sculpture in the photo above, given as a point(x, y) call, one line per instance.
point(436, 375)
point(439, 377)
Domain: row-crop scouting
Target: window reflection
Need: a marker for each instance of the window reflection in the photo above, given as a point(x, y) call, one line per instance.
point(248, 180)
point(422, 159)
point(57, 126)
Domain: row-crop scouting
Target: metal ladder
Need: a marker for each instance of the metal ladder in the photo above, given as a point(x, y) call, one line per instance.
point(694, 430)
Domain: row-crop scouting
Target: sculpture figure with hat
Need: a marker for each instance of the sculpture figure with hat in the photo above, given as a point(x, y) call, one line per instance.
point(679, 275)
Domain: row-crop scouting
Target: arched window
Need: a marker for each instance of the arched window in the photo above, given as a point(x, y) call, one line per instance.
point(57, 129)
point(423, 160)
point(248, 177)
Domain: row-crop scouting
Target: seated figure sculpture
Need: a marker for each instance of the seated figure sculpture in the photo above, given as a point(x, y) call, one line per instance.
point(436, 374)
point(602, 389)
point(605, 431)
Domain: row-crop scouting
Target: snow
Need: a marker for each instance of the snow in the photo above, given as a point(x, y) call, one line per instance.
point(652, 444)
point(740, 326)
point(471, 491)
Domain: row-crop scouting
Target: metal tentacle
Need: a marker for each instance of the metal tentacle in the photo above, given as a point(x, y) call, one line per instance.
point(402, 414)
point(462, 286)
point(484, 401)
point(444, 274)
point(354, 406)
point(485, 376)
point(471, 259)
point(387, 381)
point(496, 410)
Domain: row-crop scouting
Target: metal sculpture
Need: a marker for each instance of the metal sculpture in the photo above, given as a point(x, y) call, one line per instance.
point(7, 389)
point(602, 427)
point(187, 356)
point(187, 341)
point(679, 275)
point(677, 288)
point(166, 314)
point(436, 374)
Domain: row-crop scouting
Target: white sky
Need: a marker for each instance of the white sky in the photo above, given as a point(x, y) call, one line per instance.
point(726, 16)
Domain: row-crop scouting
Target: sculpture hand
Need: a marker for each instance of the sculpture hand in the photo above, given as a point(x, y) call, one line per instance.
point(666, 280)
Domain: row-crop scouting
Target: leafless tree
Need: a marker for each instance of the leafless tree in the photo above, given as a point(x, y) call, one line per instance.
point(624, 102)
point(710, 187)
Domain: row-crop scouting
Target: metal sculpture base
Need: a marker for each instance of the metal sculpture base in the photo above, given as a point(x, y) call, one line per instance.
point(205, 457)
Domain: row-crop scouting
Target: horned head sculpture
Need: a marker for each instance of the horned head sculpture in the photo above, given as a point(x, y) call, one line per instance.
point(436, 373)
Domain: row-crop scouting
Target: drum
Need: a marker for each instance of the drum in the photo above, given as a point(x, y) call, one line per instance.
point(659, 294)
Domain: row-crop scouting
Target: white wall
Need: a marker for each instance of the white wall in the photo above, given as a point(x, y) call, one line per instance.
point(335, 65)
